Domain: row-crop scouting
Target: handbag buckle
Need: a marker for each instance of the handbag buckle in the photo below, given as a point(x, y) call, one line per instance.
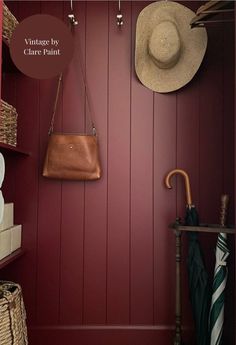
point(94, 130)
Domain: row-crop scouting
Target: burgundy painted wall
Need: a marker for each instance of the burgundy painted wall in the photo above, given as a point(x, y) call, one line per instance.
point(100, 260)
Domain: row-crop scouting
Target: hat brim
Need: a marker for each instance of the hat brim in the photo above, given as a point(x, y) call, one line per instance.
point(193, 47)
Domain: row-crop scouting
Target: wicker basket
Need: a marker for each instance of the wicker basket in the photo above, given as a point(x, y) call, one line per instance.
point(8, 124)
point(13, 329)
point(9, 23)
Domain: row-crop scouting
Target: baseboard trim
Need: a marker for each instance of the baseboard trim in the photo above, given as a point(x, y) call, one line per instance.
point(103, 327)
point(105, 335)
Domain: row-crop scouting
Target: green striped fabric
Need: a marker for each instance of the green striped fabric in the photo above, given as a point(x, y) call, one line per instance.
point(216, 316)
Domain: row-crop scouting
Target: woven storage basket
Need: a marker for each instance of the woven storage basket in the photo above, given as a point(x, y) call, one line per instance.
point(13, 329)
point(9, 23)
point(8, 124)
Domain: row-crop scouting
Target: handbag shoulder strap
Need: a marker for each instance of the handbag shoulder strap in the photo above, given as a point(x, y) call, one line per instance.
point(55, 105)
point(51, 128)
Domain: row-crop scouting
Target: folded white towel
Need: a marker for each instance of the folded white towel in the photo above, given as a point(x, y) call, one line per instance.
point(2, 169)
point(1, 206)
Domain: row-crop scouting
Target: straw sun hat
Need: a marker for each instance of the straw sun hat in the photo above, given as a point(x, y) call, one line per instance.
point(168, 52)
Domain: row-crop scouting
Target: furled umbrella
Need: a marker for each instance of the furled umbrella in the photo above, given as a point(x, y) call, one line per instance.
point(197, 275)
point(216, 318)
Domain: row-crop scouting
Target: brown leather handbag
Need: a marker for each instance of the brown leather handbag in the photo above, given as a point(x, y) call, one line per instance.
point(71, 156)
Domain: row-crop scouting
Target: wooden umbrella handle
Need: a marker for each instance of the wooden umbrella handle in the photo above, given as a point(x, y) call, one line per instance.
point(224, 209)
point(186, 180)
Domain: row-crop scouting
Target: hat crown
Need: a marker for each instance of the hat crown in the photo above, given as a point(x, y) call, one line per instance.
point(168, 52)
point(164, 44)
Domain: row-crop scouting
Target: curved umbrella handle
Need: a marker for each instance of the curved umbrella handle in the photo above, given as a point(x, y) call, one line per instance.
point(186, 180)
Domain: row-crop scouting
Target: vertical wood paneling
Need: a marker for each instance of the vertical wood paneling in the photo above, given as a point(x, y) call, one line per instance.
point(49, 203)
point(187, 146)
point(228, 116)
point(229, 172)
point(119, 168)
point(95, 241)
point(234, 157)
point(101, 253)
point(211, 140)
point(27, 213)
point(72, 226)
point(164, 207)
point(211, 135)
point(141, 274)
point(188, 141)
point(24, 95)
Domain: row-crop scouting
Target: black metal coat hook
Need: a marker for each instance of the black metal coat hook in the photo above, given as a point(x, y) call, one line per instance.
point(119, 16)
point(71, 15)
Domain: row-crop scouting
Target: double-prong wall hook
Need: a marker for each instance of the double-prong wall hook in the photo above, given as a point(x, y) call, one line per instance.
point(119, 16)
point(71, 15)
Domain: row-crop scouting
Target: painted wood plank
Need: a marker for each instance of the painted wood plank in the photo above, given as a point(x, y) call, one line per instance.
point(118, 268)
point(141, 275)
point(187, 146)
point(164, 208)
point(7, 260)
point(24, 95)
point(95, 240)
point(49, 204)
point(188, 142)
point(234, 145)
point(72, 217)
point(228, 170)
point(211, 140)
point(26, 213)
point(104, 336)
point(228, 117)
point(211, 135)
